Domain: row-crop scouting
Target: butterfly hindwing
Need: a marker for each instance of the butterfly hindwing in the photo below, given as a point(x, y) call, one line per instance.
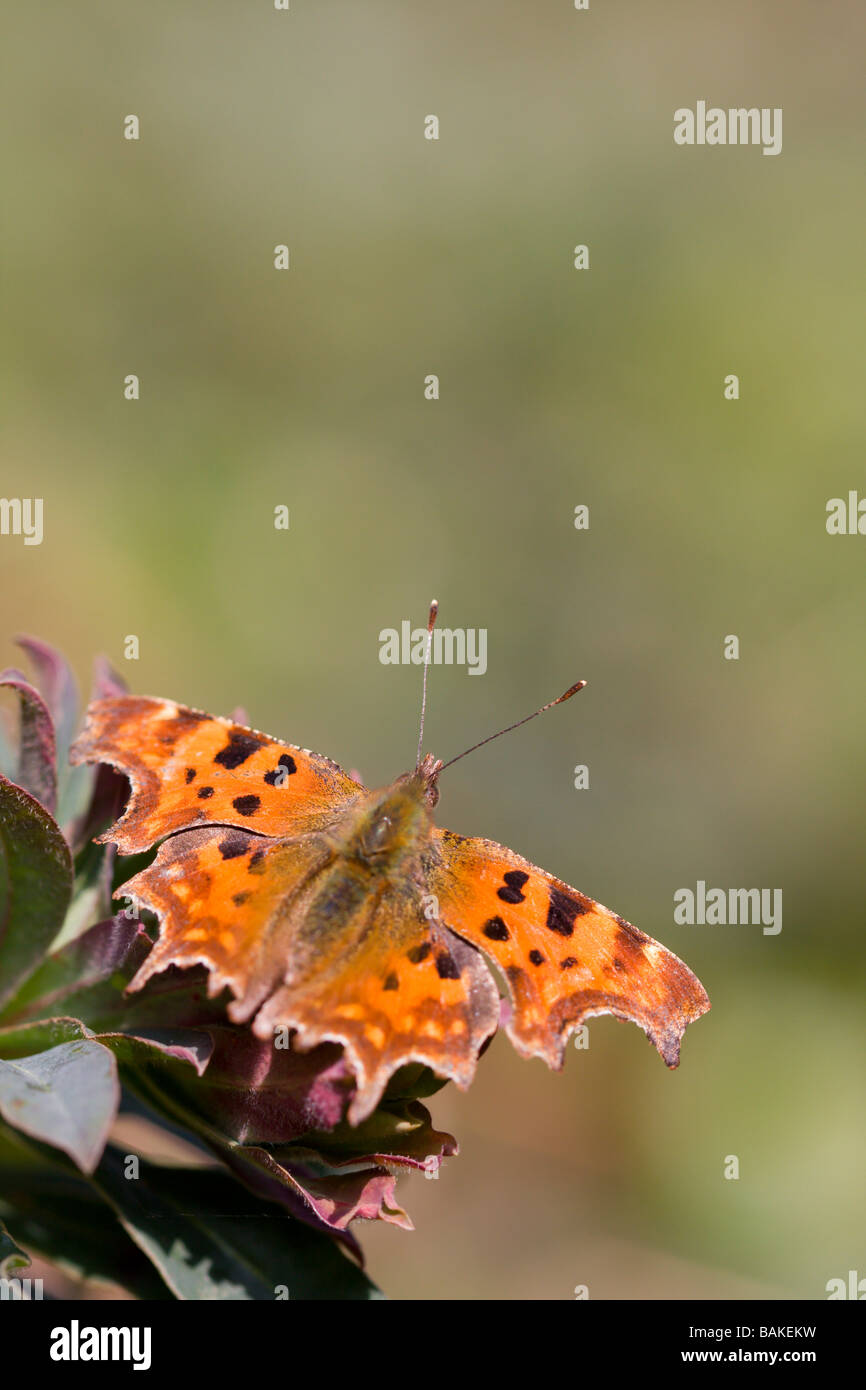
point(406, 990)
point(306, 948)
point(222, 896)
point(564, 956)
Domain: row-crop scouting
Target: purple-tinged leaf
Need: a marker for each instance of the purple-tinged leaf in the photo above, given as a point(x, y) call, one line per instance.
point(59, 689)
point(66, 1097)
point(106, 681)
point(256, 1093)
point(8, 746)
point(331, 1200)
point(36, 770)
point(35, 884)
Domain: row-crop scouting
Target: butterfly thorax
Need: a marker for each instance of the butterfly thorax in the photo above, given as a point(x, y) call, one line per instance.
point(385, 830)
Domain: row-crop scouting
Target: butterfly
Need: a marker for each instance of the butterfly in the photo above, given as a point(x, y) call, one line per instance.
point(346, 915)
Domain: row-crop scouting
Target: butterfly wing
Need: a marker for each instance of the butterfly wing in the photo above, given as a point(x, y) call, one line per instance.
point(565, 957)
point(304, 945)
point(221, 896)
point(189, 769)
point(411, 991)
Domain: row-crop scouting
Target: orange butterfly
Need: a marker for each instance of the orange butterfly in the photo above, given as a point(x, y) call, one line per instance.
point(347, 915)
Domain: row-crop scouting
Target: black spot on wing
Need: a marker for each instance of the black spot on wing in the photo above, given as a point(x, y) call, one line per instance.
point(514, 881)
point(536, 957)
point(204, 793)
point(418, 953)
point(391, 981)
point(233, 846)
point(246, 805)
point(190, 775)
point(276, 777)
point(568, 962)
point(562, 910)
point(240, 898)
point(241, 745)
point(446, 966)
point(496, 929)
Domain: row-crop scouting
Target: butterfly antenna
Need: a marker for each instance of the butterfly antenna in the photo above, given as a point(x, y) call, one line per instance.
point(567, 696)
point(431, 619)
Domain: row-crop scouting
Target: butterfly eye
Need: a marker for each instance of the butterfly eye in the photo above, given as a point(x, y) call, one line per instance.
point(379, 835)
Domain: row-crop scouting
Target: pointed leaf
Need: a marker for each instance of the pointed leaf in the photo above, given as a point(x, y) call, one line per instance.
point(306, 1186)
point(158, 1048)
point(37, 757)
point(86, 978)
point(35, 884)
point(59, 689)
point(398, 1134)
point(8, 746)
point(106, 681)
point(67, 1096)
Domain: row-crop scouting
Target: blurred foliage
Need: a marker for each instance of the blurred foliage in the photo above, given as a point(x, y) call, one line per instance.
point(557, 387)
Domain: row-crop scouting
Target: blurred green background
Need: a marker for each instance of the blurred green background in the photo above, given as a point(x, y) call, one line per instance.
point(558, 387)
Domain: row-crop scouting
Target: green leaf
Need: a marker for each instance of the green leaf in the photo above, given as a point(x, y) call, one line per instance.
point(11, 1256)
point(85, 978)
point(25, 1039)
point(212, 1241)
point(35, 884)
point(415, 1081)
point(91, 892)
point(160, 1047)
point(67, 1096)
point(64, 1220)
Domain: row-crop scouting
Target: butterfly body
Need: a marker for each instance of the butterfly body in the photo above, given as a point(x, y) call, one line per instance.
point(342, 914)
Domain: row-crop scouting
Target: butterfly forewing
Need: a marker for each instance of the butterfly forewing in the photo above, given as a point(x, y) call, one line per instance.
point(188, 769)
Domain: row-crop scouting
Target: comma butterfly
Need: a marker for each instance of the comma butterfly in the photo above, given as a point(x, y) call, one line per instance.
point(346, 915)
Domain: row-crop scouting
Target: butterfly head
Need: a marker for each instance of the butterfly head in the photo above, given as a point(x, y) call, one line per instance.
point(392, 822)
point(425, 778)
